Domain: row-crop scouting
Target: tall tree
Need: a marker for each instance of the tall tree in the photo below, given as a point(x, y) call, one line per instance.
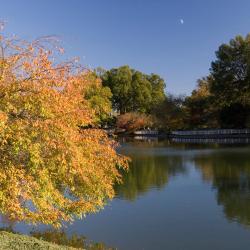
point(141, 90)
point(133, 91)
point(158, 86)
point(231, 84)
point(50, 170)
point(119, 81)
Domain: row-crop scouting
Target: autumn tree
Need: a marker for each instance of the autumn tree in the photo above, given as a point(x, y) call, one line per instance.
point(51, 171)
point(133, 121)
point(170, 113)
point(199, 108)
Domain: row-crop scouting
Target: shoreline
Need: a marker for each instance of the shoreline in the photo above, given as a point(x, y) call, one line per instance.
point(10, 241)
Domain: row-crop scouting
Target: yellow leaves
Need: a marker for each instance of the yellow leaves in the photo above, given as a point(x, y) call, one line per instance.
point(50, 169)
point(3, 119)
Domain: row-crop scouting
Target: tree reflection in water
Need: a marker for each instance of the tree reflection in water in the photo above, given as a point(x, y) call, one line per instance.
point(148, 170)
point(74, 240)
point(229, 172)
point(228, 169)
point(56, 236)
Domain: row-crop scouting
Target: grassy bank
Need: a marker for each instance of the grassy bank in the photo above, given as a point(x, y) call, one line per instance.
point(10, 241)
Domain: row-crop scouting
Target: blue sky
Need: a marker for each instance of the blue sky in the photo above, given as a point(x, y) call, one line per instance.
point(146, 34)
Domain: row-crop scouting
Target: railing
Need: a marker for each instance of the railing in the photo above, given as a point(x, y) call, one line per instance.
point(212, 132)
point(146, 132)
point(207, 141)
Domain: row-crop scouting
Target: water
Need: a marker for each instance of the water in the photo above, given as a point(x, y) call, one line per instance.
point(176, 196)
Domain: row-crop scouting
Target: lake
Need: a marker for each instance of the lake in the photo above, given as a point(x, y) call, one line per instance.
point(176, 196)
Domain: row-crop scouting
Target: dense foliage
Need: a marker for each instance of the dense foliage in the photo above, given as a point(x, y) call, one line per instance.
point(200, 112)
point(99, 98)
point(134, 121)
point(50, 169)
point(223, 98)
point(170, 113)
point(133, 91)
point(231, 82)
point(231, 72)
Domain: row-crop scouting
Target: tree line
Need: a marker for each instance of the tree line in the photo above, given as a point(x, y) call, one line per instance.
point(220, 100)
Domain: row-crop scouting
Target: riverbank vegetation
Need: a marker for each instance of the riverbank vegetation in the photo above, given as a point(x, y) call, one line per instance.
point(220, 100)
point(10, 241)
point(47, 239)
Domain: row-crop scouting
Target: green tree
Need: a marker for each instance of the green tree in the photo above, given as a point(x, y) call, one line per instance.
point(141, 91)
point(99, 98)
point(157, 86)
point(119, 81)
point(231, 84)
point(133, 91)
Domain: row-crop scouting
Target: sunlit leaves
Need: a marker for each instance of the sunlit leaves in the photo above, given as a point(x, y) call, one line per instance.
point(51, 170)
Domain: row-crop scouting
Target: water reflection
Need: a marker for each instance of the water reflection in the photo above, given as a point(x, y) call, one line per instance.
point(226, 168)
point(74, 240)
point(148, 170)
point(229, 173)
point(200, 190)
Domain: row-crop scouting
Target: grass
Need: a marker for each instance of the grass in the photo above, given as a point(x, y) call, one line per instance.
point(11, 241)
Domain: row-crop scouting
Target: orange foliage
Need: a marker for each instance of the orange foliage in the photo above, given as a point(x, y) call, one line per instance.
point(133, 121)
point(51, 170)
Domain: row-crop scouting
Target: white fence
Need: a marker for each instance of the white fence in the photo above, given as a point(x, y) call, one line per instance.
point(206, 140)
point(212, 132)
point(146, 132)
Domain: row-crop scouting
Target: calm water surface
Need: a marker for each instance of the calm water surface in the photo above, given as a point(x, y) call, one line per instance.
point(176, 196)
